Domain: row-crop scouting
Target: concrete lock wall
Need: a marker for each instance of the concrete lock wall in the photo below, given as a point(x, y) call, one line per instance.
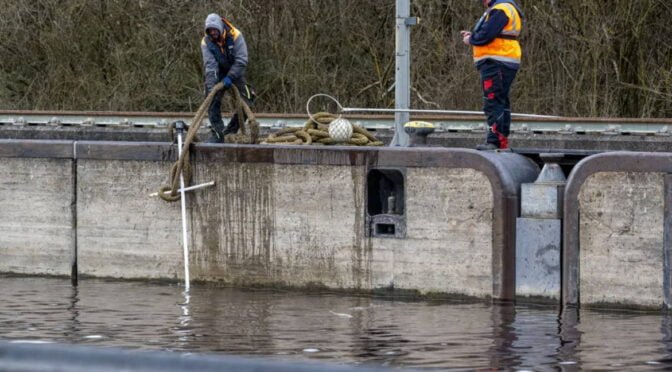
point(303, 224)
point(448, 247)
point(617, 231)
point(279, 224)
point(121, 231)
point(36, 216)
point(295, 217)
point(621, 238)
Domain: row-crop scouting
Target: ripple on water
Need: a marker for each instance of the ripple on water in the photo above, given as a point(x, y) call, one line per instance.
point(339, 328)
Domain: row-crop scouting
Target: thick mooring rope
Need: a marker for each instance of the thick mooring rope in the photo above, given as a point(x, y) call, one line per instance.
point(316, 132)
point(182, 165)
point(243, 110)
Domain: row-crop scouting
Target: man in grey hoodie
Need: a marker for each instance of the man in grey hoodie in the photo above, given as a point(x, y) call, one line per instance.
point(224, 59)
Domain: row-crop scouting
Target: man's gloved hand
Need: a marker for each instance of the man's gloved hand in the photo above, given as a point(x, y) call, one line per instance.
point(227, 82)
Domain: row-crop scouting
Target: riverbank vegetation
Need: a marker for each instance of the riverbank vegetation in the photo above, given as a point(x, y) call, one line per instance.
point(581, 57)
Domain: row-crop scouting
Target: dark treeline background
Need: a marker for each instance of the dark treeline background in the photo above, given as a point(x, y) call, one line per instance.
point(582, 57)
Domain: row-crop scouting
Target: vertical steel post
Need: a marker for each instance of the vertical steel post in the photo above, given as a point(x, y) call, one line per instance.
point(667, 243)
point(402, 93)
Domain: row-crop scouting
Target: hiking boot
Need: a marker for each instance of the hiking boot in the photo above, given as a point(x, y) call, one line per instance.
point(232, 127)
point(215, 137)
point(487, 147)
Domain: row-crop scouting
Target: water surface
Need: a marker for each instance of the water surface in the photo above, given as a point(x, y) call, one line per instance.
point(330, 327)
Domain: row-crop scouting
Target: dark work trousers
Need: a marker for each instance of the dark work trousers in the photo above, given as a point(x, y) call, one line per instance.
point(215, 112)
point(496, 80)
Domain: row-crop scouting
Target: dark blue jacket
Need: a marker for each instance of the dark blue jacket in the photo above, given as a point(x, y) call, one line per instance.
point(218, 64)
point(486, 31)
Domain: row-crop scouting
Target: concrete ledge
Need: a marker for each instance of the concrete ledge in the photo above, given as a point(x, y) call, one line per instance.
point(104, 150)
point(37, 234)
point(36, 149)
point(615, 162)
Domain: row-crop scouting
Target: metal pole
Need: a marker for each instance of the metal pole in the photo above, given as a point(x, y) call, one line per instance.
point(402, 92)
point(180, 129)
point(74, 271)
point(421, 111)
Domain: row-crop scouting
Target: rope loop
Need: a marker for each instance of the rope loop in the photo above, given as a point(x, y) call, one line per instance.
point(314, 132)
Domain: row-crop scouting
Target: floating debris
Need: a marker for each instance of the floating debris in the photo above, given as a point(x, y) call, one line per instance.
point(342, 315)
point(94, 337)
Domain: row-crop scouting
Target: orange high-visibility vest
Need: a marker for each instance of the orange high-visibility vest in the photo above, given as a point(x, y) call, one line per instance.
point(504, 48)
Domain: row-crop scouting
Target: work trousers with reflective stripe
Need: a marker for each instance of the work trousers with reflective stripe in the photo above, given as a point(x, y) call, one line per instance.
point(496, 81)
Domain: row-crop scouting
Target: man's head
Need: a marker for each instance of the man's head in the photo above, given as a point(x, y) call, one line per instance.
point(213, 33)
point(486, 3)
point(214, 26)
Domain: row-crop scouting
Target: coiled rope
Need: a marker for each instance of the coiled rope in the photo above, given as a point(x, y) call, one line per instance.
point(316, 132)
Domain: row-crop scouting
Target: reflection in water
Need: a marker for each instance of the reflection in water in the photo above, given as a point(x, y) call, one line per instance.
point(666, 344)
point(342, 329)
point(73, 325)
point(183, 331)
point(569, 337)
point(502, 353)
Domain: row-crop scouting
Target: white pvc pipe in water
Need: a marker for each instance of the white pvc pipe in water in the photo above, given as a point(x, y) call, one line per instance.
point(183, 202)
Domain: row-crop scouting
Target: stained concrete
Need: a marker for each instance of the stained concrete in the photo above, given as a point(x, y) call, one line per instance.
point(274, 223)
point(541, 200)
point(303, 225)
point(291, 224)
point(122, 232)
point(538, 257)
point(282, 216)
point(539, 232)
point(448, 248)
point(621, 239)
point(36, 232)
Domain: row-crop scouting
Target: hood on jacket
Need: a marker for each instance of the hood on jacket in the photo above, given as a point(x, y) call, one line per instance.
point(214, 21)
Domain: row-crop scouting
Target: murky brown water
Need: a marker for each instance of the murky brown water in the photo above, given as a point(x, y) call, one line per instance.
point(329, 328)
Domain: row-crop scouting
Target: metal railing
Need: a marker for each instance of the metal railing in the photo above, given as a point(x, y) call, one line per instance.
point(443, 123)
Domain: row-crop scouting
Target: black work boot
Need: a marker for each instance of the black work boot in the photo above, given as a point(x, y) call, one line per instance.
point(217, 135)
point(233, 126)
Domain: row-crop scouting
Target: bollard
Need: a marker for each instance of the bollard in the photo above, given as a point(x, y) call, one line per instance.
point(539, 232)
point(418, 132)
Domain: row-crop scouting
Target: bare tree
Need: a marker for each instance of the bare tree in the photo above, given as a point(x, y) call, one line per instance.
point(581, 57)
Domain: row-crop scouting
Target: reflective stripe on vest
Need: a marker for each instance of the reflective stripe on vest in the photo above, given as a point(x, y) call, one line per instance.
point(506, 47)
point(516, 25)
point(498, 58)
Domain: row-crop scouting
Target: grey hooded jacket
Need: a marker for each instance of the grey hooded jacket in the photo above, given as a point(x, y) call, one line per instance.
point(214, 72)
